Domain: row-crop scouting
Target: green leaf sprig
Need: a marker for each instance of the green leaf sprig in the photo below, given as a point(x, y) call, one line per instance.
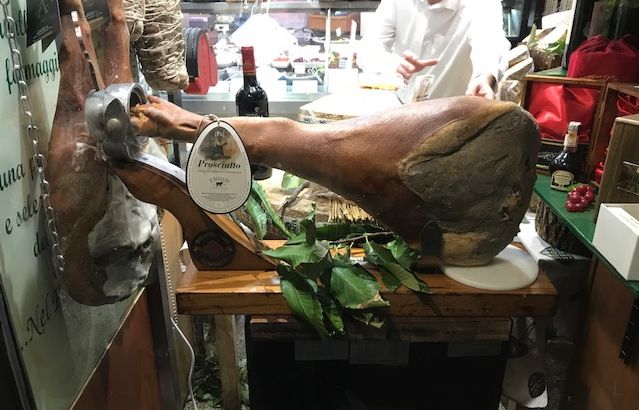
point(324, 287)
point(258, 207)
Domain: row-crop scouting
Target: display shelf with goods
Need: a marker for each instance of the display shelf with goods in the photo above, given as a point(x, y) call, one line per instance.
point(608, 323)
point(581, 224)
point(290, 48)
point(582, 97)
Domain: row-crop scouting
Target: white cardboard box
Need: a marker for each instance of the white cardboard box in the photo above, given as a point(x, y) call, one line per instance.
point(617, 237)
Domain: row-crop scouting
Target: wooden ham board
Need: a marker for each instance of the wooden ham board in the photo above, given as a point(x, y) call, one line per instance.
point(258, 292)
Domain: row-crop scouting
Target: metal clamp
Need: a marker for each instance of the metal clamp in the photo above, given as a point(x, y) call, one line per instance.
point(108, 117)
point(108, 110)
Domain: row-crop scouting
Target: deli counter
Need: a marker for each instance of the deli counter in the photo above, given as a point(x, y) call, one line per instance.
point(297, 62)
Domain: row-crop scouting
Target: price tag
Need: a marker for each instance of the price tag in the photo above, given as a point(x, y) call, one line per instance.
point(218, 172)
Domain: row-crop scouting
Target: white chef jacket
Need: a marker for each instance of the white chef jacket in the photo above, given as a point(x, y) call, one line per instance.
point(465, 35)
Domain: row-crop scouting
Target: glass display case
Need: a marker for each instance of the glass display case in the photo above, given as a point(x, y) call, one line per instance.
point(293, 52)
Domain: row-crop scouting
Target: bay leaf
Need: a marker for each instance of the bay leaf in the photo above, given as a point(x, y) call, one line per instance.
point(258, 216)
point(354, 289)
point(302, 299)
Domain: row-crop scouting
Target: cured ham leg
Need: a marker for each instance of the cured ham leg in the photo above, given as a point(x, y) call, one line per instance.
point(107, 235)
point(465, 163)
point(73, 163)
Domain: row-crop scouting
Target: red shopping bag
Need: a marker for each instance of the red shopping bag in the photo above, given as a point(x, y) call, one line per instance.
point(598, 56)
point(555, 105)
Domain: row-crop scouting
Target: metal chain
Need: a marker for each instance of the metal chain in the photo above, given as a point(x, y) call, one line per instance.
point(39, 159)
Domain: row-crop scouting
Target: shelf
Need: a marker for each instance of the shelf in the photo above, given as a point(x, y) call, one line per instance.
point(223, 104)
point(625, 88)
point(236, 7)
point(580, 223)
point(553, 72)
point(259, 293)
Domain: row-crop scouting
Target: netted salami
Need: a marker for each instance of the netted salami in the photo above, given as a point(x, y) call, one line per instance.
point(160, 48)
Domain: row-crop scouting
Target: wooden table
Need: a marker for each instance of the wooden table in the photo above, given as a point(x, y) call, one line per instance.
point(451, 311)
point(258, 293)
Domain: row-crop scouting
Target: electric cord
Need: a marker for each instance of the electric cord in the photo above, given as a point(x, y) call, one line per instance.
point(192, 361)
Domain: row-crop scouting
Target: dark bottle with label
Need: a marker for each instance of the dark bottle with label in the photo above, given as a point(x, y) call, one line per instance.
point(251, 101)
point(566, 166)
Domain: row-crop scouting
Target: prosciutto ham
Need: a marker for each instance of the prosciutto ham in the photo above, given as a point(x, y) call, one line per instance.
point(108, 237)
point(466, 164)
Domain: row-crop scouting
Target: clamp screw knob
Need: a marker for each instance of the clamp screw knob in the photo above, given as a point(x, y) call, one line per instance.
point(113, 126)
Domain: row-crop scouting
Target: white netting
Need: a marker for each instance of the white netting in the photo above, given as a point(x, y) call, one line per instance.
point(134, 14)
point(160, 48)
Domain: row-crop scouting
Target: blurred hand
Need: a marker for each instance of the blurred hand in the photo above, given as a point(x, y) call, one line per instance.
point(411, 65)
point(160, 118)
point(482, 86)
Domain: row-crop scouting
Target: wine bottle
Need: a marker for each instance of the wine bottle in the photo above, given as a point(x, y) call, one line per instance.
point(566, 167)
point(251, 101)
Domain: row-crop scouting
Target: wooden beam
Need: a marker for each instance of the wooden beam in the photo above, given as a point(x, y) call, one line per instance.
point(227, 359)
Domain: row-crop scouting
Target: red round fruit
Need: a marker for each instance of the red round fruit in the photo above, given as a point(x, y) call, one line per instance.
point(574, 194)
point(582, 189)
point(590, 195)
point(575, 199)
point(572, 207)
point(585, 203)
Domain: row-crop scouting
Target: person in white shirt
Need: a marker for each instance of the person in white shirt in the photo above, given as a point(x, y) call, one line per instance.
point(459, 42)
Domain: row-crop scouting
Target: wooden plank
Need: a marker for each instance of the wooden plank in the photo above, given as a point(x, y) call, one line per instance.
point(258, 292)
point(625, 88)
point(598, 379)
point(126, 377)
point(201, 229)
point(227, 357)
point(422, 329)
point(171, 240)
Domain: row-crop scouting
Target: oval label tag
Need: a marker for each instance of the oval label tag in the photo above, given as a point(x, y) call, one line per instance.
point(218, 173)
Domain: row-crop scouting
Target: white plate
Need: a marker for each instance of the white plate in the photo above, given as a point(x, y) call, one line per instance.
point(280, 64)
point(511, 269)
point(292, 77)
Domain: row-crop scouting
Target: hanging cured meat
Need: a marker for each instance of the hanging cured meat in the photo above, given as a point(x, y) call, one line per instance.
point(465, 163)
point(107, 235)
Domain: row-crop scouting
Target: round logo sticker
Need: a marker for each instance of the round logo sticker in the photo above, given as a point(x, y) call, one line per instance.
point(218, 173)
